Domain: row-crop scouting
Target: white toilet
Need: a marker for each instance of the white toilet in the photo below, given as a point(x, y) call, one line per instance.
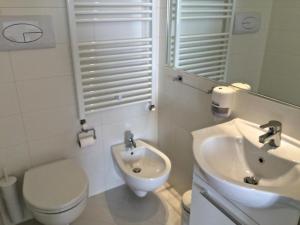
point(144, 168)
point(56, 193)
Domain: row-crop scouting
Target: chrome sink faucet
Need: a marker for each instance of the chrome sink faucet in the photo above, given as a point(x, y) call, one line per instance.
point(273, 136)
point(129, 141)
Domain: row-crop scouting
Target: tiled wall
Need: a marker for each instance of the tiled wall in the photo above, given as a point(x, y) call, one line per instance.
point(38, 115)
point(281, 64)
point(247, 50)
point(182, 110)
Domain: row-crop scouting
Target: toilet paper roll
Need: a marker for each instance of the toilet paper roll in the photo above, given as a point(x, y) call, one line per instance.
point(222, 100)
point(87, 141)
point(8, 187)
point(243, 86)
point(223, 96)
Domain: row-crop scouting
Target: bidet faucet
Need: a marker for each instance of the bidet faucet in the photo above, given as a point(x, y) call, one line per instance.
point(129, 141)
point(273, 136)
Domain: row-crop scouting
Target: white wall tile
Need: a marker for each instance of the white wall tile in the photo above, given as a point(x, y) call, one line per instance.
point(247, 50)
point(52, 148)
point(182, 146)
point(281, 61)
point(286, 4)
point(40, 63)
point(44, 124)
point(181, 110)
point(286, 42)
point(112, 134)
point(123, 114)
point(15, 159)
point(244, 67)
point(12, 131)
point(285, 19)
point(6, 74)
point(93, 161)
point(8, 100)
point(254, 3)
point(39, 94)
point(32, 3)
point(255, 42)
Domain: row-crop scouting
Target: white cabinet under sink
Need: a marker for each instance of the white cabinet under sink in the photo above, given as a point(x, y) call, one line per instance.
point(211, 208)
point(206, 213)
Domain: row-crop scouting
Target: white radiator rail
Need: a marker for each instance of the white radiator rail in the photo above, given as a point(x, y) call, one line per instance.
point(107, 12)
point(112, 72)
point(94, 93)
point(116, 70)
point(111, 4)
point(124, 19)
point(203, 52)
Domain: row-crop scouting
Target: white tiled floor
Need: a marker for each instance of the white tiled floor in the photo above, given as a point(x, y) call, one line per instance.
point(120, 206)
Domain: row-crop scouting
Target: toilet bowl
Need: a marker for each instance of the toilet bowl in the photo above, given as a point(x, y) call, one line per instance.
point(56, 193)
point(143, 168)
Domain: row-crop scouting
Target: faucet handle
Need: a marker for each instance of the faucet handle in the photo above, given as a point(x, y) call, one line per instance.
point(128, 134)
point(274, 125)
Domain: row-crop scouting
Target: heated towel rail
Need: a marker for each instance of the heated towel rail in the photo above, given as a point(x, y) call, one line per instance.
point(113, 52)
point(200, 42)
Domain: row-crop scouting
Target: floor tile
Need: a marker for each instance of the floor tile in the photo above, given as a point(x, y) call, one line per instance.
point(120, 206)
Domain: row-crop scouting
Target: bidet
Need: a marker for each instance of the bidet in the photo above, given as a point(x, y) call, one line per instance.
point(144, 169)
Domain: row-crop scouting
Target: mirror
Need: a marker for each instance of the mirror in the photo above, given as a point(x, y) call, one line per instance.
point(253, 42)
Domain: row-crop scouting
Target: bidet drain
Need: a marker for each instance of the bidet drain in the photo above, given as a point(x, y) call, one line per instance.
point(136, 170)
point(251, 180)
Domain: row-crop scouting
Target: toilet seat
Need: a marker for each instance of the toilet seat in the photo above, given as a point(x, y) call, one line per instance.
point(55, 188)
point(62, 210)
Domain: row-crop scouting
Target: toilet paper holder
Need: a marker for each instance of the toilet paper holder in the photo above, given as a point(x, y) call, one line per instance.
point(85, 132)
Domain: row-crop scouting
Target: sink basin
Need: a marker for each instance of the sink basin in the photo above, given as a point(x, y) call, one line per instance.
point(234, 163)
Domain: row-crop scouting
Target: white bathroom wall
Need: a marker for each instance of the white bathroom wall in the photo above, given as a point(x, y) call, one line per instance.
point(38, 114)
point(281, 63)
point(247, 50)
point(182, 110)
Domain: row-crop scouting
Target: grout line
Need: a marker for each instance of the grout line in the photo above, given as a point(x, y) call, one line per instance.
point(32, 7)
point(44, 77)
point(49, 109)
point(20, 111)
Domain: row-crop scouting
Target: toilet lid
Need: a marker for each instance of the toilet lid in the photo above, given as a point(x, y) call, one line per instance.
point(55, 187)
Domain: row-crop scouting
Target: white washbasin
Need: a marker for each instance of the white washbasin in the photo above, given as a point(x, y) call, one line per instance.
point(229, 152)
